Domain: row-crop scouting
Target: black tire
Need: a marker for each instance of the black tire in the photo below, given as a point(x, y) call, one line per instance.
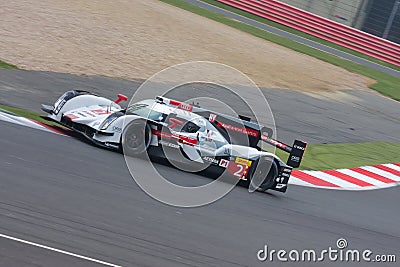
point(136, 138)
point(264, 176)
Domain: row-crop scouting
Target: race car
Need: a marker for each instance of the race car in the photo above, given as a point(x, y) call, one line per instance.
point(183, 133)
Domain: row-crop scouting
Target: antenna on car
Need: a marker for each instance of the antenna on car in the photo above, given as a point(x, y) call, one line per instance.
point(109, 111)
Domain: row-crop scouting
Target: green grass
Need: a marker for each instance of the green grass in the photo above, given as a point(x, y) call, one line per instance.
point(4, 65)
point(386, 84)
point(299, 33)
point(336, 156)
point(26, 114)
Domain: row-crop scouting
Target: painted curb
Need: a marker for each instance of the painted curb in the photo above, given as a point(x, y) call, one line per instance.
point(362, 178)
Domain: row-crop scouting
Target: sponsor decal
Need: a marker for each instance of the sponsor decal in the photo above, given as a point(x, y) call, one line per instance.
point(100, 112)
point(295, 158)
point(117, 129)
point(161, 134)
point(280, 180)
point(211, 160)
point(275, 143)
point(186, 140)
point(285, 174)
point(181, 105)
point(242, 161)
point(243, 130)
point(111, 145)
point(212, 118)
point(224, 163)
point(280, 186)
point(238, 170)
point(180, 138)
point(185, 106)
point(299, 147)
point(164, 143)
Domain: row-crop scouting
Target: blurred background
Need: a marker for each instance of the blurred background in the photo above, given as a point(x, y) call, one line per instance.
point(378, 17)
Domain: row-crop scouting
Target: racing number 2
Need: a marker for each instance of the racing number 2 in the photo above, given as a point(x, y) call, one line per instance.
point(237, 170)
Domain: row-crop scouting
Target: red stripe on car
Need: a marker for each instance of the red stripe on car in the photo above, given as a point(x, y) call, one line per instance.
point(71, 116)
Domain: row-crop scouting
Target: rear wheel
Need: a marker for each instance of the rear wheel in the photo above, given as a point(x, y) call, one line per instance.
point(265, 175)
point(136, 138)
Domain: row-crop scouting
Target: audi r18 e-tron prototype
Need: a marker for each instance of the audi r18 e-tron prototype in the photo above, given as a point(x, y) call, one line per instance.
point(180, 132)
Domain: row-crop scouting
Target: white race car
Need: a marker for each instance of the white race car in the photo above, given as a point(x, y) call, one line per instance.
point(179, 132)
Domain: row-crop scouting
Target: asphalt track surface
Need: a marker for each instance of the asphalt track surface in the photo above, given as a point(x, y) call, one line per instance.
point(63, 193)
point(66, 194)
point(294, 37)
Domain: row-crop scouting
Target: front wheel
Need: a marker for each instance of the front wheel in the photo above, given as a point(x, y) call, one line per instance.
point(136, 138)
point(264, 175)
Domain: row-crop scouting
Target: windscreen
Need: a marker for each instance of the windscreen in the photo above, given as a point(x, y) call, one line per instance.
point(144, 110)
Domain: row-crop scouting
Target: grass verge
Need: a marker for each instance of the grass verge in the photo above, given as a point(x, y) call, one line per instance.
point(386, 84)
point(4, 65)
point(337, 156)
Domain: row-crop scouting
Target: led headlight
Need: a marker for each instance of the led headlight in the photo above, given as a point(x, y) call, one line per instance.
point(108, 121)
point(59, 105)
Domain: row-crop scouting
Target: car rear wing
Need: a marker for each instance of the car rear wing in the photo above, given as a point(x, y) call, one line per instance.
point(296, 151)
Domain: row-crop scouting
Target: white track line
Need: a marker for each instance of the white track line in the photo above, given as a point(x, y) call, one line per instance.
point(59, 251)
point(8, 118)
point(24, 122)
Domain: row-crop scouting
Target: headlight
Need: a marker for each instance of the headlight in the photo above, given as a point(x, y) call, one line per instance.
point(104, 125)
point(107, 122)
point(59, 106)
point(63, 99)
